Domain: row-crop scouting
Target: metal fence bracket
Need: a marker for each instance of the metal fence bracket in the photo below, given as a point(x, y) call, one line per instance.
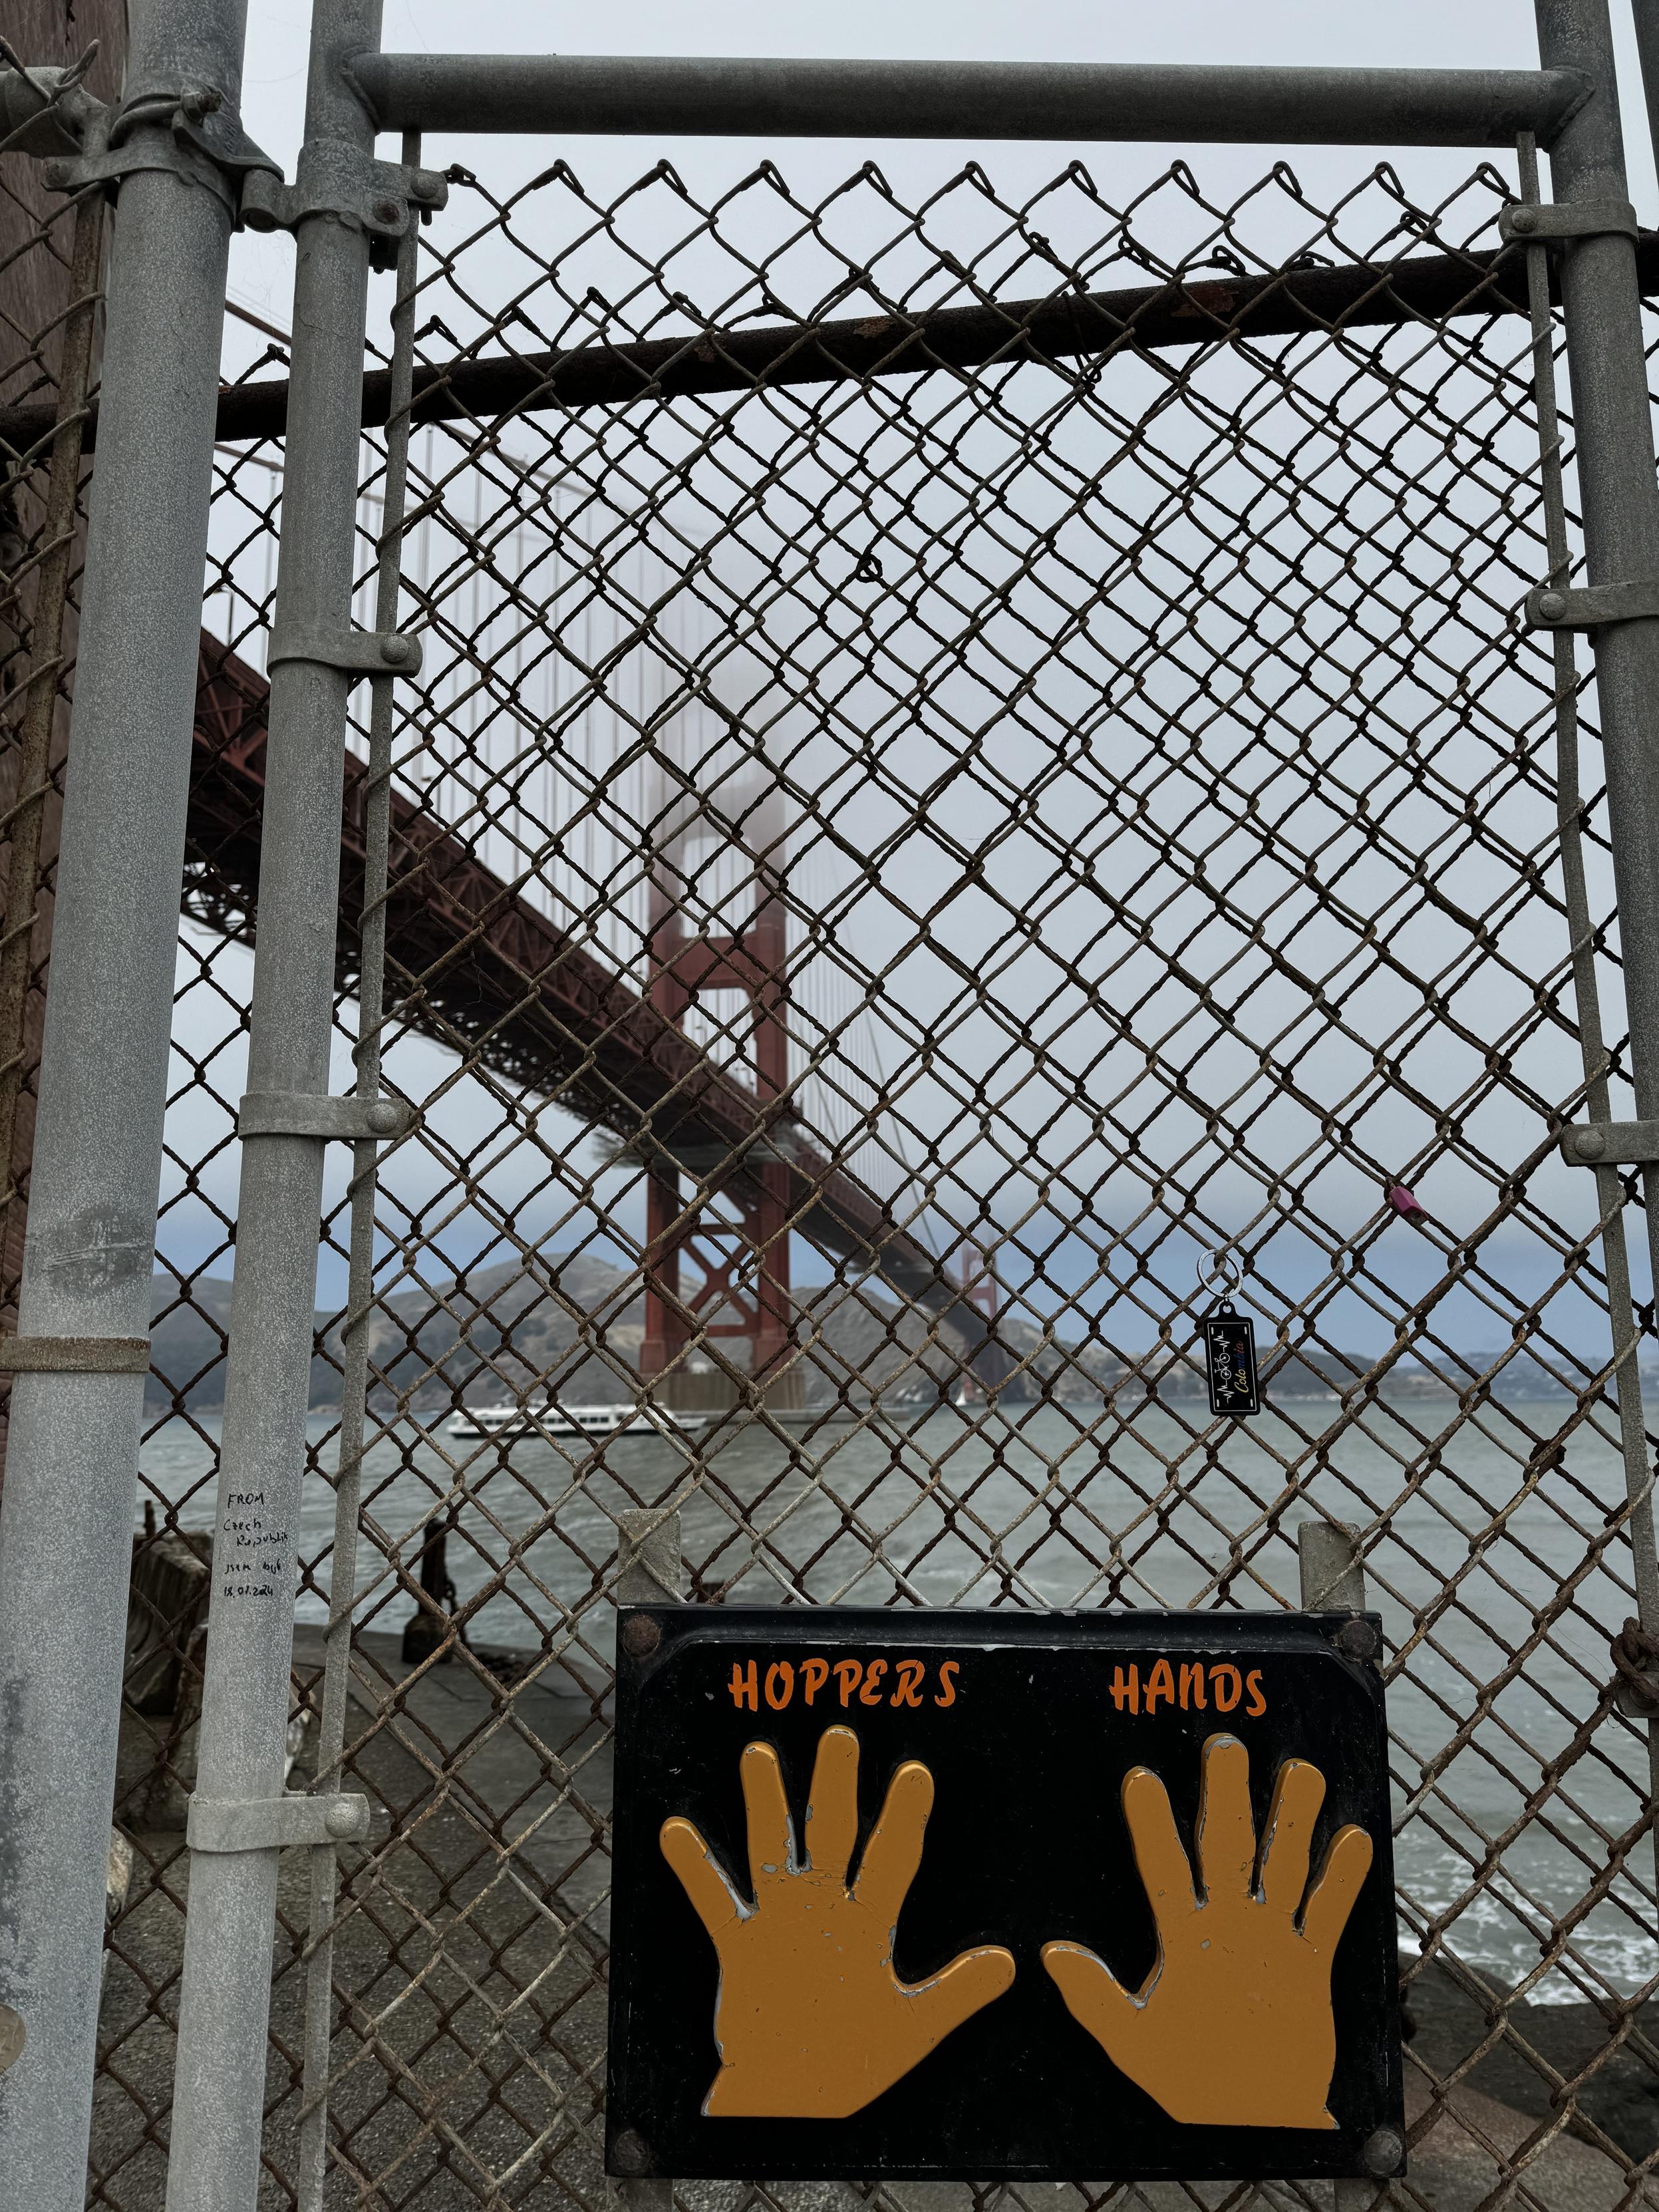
point(1611, 1145)
point(357, 651)
point(74, 1355)
point(347, 1120)
point(335, 179)
point(1635, 1655)
point(272, 1824)
point(204, 145)
point(1548, 607)
point(1550, 222)
point(1638, 1700)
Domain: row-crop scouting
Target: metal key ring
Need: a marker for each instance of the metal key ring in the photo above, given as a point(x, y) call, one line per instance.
point(1219, 1267)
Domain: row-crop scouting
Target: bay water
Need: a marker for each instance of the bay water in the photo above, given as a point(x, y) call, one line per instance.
point(1491, 1543)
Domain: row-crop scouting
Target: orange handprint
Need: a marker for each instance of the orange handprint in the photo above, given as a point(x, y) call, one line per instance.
point(1233, 2026)
point(811, 2021)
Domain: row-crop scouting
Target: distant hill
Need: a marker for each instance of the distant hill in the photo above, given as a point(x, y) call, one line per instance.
point(493, 1332)
point(576, 1322)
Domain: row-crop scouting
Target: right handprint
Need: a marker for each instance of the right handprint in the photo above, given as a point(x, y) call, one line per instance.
point(1233, 2026)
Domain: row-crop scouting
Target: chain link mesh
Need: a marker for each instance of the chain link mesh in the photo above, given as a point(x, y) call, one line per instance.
point(972, 754)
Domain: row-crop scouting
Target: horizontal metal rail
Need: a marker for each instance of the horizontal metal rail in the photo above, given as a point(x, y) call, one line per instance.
point(652, 96)
point(1428, 289)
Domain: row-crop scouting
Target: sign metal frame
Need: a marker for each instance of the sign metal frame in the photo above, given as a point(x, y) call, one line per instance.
point(1058, 1749)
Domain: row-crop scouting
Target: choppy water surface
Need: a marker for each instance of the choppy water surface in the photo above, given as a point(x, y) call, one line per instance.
point(945, 1510)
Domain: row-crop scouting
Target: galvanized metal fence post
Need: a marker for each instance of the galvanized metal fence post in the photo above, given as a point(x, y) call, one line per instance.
point(84, 1316)
point(238, 1818)
point(360, 1296)
point(1618, 497)
point(649, 1566)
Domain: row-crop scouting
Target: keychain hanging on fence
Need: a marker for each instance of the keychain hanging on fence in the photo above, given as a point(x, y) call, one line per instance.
point(1229, 1341)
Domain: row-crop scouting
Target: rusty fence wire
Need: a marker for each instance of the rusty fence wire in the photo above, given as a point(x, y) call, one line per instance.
point(976, 758)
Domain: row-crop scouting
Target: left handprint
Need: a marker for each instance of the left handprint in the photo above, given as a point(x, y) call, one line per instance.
point(811, 2021)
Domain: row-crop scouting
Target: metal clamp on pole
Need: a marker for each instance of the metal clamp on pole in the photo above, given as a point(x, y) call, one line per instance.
point(1611, 1145)
point(346, 1121)
point(272, 1824)
point(1635, 1655)
point(356, 653)
point(203, 145)
point(1548, 607)
point(74, 1355)
point(1553, 223)
point(335, 179)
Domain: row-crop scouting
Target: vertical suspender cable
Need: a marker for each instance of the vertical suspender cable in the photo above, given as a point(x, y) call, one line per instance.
point(365, 1184)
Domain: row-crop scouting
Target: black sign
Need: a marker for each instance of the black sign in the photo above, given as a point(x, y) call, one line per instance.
point(985, 1896)
point(1229, 1355)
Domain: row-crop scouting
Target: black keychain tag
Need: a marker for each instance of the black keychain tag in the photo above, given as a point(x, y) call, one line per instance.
point(1229, 1356)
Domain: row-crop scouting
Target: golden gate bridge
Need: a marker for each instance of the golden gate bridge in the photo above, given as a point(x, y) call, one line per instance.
point(731, 1167)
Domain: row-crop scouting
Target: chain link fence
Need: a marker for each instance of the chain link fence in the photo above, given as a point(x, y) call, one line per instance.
point(975, 758)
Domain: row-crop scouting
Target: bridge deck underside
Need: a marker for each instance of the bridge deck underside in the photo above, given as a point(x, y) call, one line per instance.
point(477, 968)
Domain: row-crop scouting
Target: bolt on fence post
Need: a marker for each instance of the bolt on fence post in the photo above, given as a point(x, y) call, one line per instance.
point(1619, 499)
point(72, 1457)
point(224, 2007)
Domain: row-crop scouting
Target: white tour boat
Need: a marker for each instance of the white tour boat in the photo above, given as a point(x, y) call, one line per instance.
point(541, 1417)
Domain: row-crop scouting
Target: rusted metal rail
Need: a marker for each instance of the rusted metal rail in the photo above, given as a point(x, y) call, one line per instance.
point(1195, 309)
